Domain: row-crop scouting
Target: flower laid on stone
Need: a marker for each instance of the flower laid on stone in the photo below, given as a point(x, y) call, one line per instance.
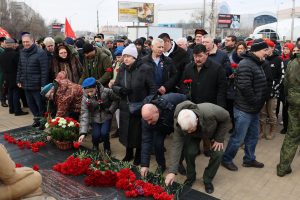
point(36, 167)
point(102, 171)
point(34, 146)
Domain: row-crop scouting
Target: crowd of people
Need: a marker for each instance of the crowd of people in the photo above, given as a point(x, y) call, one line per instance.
point(193, 88)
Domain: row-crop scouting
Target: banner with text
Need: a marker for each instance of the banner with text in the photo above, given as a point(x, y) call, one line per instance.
point(136, 12)
point(229, 21)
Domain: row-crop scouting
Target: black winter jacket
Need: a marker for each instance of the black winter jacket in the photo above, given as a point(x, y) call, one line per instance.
point(33, 70)
point(169, 71)
point(251, 84)
point(166, 105)
point(208, 86)
point(9, 60)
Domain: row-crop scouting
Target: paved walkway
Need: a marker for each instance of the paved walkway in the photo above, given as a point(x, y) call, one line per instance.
point(245, 184)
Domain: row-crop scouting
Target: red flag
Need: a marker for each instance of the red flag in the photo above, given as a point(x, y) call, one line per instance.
point(4, 33)
point(68, 30)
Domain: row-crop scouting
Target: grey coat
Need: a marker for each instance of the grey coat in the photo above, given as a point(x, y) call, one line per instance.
point(214, 122)
point(97, 109)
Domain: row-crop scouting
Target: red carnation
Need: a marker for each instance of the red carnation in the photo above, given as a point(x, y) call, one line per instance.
point(109, 69)
point(18, 165)
point(234, 65)
point(76, 145)
point(36, 167)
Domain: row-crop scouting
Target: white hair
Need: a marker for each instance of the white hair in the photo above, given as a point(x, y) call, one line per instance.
point(187, 119)
point(181, 40)
point(207, 36)
point(157, 40)
point(49, 40)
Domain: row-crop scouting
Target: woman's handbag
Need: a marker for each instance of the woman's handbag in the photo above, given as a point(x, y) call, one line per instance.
point(135, 107)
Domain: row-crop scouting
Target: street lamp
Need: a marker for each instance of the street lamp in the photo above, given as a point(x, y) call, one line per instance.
point(98, 15)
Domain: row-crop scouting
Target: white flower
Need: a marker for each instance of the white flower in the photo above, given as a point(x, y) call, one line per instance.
point(63, 126)
point(71, 124)
point(47, 125)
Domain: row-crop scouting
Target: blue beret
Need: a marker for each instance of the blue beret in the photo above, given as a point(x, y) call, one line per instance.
point(89, 83)
point(46, 89)
point(119, 50)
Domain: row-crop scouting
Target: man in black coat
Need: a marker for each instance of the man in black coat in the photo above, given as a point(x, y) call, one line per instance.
point(9, 62)
point(164, 69)
point(251, 91)
point(179, 56)
point(32, 75)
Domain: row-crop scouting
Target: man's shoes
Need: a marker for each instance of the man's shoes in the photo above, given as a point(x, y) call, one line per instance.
point(4, 104)
point(230, 166)
point(21, 113)
point(181, 169)
point(11, 112)
point(209, 188)
point(36, 124)
point(283, 131)
point(283, 173)
point(115, 134)
point(254, 164)
point(189, 182)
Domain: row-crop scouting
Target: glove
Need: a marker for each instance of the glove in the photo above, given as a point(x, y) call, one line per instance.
point(125, 91)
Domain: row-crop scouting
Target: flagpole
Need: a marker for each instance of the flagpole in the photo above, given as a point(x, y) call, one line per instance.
point(97, 22)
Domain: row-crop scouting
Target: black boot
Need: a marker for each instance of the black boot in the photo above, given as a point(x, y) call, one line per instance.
point(129, 155)
point(106, 145)
point(4, 104)
point(115, 134)
point(137, 157)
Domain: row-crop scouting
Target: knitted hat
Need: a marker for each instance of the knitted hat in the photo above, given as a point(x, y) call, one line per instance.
point(258, 45)
point(69, 41)
point(58, 39)
point(9, 41)
point(289, 45)
point(46, 89)
point(130, 50)
point(270, 43)
point(89, 83)
point(87, 48)
point(119, 50)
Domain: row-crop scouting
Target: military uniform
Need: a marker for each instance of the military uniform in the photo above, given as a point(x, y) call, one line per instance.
point(292, 138)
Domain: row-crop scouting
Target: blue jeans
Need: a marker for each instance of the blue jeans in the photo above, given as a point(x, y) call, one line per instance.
point(34, 101)
point(101, 132)
point(247, 131)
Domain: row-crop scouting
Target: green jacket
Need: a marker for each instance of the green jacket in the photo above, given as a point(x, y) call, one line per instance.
point(214, 123)
point(292, 82)
point(97, 68)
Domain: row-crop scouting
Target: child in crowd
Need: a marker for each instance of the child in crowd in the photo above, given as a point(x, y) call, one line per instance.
point(97, 108)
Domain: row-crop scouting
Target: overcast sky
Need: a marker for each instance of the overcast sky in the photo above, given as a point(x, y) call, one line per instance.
point(82, 13)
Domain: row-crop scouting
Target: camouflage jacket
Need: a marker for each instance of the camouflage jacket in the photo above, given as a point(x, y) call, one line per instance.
point(292, 82)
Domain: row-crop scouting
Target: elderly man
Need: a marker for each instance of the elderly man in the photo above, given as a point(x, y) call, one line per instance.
point(33, 72)
point(216, 54)
point(183, 43)
point(251, 93)
point(157, 122)
point(199, 33)
point(179, 56)
point(192, 123)
point(164, 69)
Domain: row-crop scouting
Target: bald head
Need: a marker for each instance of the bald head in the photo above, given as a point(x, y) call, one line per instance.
point(150, 113)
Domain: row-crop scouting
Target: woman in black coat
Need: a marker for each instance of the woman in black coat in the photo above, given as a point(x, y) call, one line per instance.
point(133, 83)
